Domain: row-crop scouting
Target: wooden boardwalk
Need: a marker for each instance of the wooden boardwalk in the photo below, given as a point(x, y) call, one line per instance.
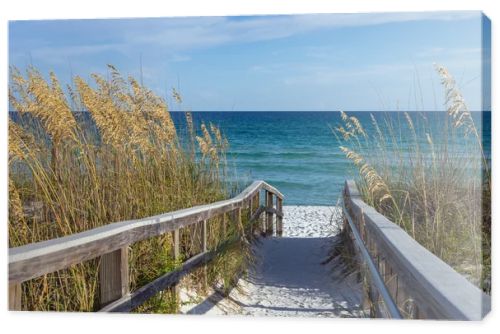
point(111, 244)
point(293, 276)
point(403, 279)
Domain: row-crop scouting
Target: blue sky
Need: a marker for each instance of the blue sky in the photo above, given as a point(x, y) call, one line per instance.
point(299, 62)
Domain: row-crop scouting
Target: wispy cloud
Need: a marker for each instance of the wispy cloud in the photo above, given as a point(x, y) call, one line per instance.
point(58, 54)
point(194, 33)
point(314, 61)
point(176, 36)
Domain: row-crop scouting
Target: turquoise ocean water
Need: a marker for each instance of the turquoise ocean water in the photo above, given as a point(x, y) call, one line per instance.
point(297, 151)
point(294, 151)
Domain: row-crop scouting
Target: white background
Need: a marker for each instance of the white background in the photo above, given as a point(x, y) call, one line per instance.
point(149, 324)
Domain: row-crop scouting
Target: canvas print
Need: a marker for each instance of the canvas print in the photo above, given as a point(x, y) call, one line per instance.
point(319, 165)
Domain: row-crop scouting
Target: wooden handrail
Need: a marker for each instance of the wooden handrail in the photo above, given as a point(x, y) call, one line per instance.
point(36, 259)
point(413, 274)
point(377, 280)
point(110, 242)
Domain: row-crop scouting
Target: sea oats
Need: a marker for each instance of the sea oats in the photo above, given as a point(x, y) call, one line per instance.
point(20, 142)
point(124, 162)
point(376, 126)
point(376, 184)
point(44, 101)
point(409, 121)
point(215, 130)
point(204, 147)
point(206, 135)
point(357, 126)
point(177, 96)
point(457, 107)
point(427, 178)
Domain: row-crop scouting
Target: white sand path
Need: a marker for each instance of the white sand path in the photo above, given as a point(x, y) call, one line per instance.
point(291, 277)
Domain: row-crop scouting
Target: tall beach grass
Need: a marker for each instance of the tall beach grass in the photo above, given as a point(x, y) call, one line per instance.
point(430, 174)
point(119, 157)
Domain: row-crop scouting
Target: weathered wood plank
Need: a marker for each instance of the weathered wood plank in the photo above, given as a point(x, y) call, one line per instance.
point(237, 220)
point(256, 223)
point(224, 225)
point(279, 218)
point(114, 276)
point(250, 207)
point(249, 217)
point(256, 215)
point(176, 244)
point(176, 255)
point(33, 260)
point(273, 211)
point(15, 294)
point(138, 297)
point(438, 290)
point(405, 302)
point(204, 248)
point(257, 201)
point(374, 276)
point(204, 235)
point(271, 189)
point(269, 214)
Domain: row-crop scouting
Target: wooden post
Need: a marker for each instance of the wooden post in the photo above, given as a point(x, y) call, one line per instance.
point(279, 219)
point(362, 231)
point(176, 244)
point(15, 293)
point(237, 220)
point(176, 254)
point(375, 311)
point(204, 236)
point(405, 301)
point(250, 223)
point(258, 221)
point(392, 281)
point(366, 302)
point(269, 215)
point(381, 268)
point(204, 248)
point(113, 275)
point(224, 226)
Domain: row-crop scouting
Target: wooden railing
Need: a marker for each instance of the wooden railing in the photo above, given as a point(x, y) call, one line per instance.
point(418, 283)
point(110, 243)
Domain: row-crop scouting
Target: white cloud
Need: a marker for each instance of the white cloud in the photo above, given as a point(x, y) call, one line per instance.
point(173, 39)
point(57, 55)
point(188, 33)
point(175, 36)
